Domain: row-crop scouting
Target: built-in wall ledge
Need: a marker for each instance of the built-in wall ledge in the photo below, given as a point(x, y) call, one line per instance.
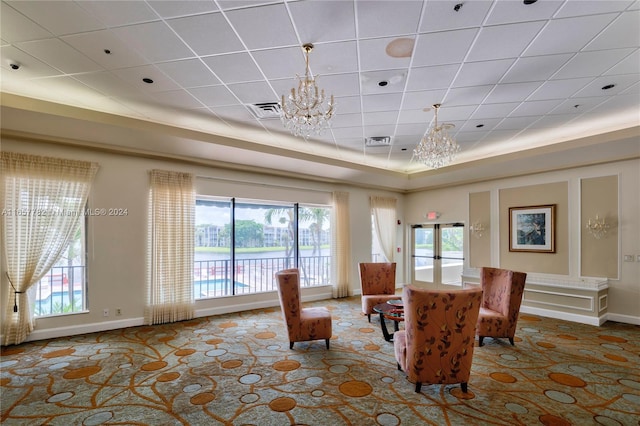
point(579, 299)
point(562, 281)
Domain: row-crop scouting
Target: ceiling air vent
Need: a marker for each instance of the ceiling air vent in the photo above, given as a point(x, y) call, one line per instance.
point(374, 141)
point(265, 110)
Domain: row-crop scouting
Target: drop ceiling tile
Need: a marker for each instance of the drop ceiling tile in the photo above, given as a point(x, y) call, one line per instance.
point(494, 110)
point(538, 108)
point(115, 14)
point(234, 112)
point(591, 64)
point(348, 104)
point(472, 125)
point(509, 11)
point(59, 17)
point(189, 73)
point(512, 92)
point(387, 18)
point(552, 121)
point(482, 73)
point(340, 84)
point(16, 27)
point(60, 55)
point(286, 62)
point(537, 68)
point(440, 15)
point(177, 98)
point(450, 113)
point(320, 21)
point(559, 89)
point(135, 76)
point(415, 116)
point(346, 120)
point(379, 118)
point(423, 99)
point(208, 34)
point(253, 92)
point(175, 8)
point(412, 129)
point(447, 47)
point(30, 67)
point(380, 82)
point(583, 105)
point(503, 41)
point(628, 65)
point(334, 58)
point(374, 56)
point(214, 96)
point(429, 78)
point(349, 132)
point(237, 4)
point(93, 45)
point(107, 83)
point(623, 32)
point(568, 35)
point(373, 103)
point(234, 67)
point(264, 26)
point(155, 41)
point(379, 130)
point(590, 7)
point(622, 82)
point(467, 95)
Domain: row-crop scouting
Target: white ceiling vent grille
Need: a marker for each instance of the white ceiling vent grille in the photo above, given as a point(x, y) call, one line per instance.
point(265, 110)
point(375, 141)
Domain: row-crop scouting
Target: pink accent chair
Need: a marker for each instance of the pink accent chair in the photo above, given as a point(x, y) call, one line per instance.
point(436, 345)
point(303, 324)
point(378, 285)
point(501, 299)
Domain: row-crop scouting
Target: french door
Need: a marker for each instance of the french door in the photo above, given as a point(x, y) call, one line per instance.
point(437, 253)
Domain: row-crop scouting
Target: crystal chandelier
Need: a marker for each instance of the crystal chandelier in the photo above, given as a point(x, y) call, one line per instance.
point(304, 112)
point(437, 148)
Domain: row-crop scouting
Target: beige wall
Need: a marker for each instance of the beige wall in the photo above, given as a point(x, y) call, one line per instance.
point(117, 246)
point(599, 196)
point(480, 212)
point(565, 189)
point(536, 195)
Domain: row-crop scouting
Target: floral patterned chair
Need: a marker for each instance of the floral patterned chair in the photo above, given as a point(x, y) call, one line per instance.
point(501, 299)
point(436, 345)
point(378, 285)
point(303, 324)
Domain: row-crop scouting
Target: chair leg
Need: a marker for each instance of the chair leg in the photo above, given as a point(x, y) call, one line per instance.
point(327, 342)
point(290, 345)
point(369, 316)
point(464, 387)
point(480, 339)
point(511, 341)
point(418, 387)
point(399, 368)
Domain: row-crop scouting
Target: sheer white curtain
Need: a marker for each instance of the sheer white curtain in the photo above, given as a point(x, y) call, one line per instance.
point(171, 233)
point(384, 224)
point(342, 243)
point(43, 203)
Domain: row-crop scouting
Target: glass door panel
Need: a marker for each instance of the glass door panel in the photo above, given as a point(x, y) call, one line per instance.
point(423, 253)
point(451, 253)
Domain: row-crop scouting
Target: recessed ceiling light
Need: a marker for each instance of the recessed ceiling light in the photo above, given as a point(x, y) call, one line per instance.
point(383, 83)
point(480, 125)
point(147, 80)
point(608, 86)
point(576, 105)
point(403, 149)
point(107, 51)
point(14, 66)
point(457, 7)
point(529, 1)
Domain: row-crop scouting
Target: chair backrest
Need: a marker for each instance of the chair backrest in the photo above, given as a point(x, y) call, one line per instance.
point(502, 290)
point(289, 293)
point(378, 278)
point(440, 333)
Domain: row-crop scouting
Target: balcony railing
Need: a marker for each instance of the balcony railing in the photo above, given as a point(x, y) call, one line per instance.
point(61, 291)
point(218, 278)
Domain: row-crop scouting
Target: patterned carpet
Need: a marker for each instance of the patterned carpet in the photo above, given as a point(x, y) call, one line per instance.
point(237, 369)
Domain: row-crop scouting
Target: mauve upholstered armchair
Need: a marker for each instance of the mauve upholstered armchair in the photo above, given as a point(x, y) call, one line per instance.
point(436, 345)
point(377, 284)
point(303, 324)
point(502, 291)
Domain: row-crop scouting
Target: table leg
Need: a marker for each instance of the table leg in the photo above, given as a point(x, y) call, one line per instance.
point(383, 325)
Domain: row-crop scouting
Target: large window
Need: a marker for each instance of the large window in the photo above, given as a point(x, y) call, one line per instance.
point(63, 289)
point(240, 245)
point(437, 256)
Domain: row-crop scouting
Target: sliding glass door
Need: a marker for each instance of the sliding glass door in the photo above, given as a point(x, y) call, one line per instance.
point(437, 254)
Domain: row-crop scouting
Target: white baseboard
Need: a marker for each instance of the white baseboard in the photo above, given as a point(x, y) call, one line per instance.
point(627, 319)
point(583, 319)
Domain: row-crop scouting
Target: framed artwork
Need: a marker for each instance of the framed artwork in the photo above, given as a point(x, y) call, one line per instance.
point(532, 229)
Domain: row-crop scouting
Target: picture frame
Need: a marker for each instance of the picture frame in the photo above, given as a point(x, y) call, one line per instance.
point(532, 229)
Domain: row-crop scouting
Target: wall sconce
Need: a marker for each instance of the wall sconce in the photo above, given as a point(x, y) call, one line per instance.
point(597, 227)
point(477, 229)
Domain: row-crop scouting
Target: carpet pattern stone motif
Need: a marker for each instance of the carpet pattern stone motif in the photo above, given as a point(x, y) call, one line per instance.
point(237, 369)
